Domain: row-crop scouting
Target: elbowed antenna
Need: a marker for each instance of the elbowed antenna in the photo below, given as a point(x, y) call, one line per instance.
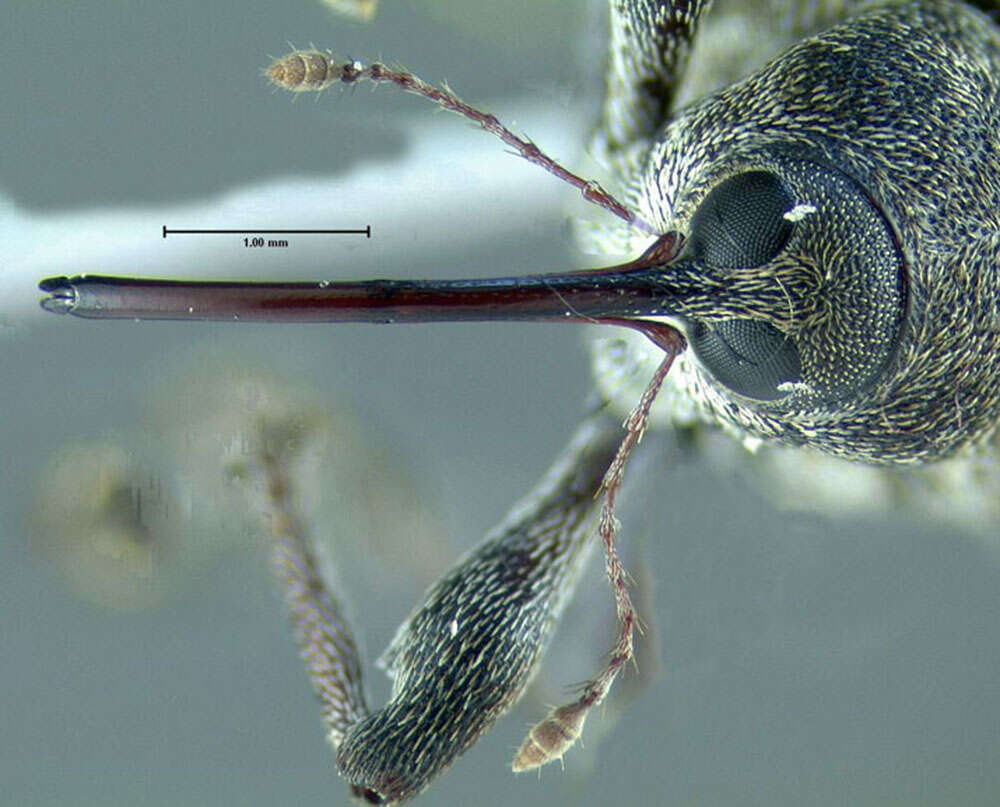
point(314, 71)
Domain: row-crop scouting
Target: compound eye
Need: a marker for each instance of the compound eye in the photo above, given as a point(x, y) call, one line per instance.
point(741, 223)
point(749, 357)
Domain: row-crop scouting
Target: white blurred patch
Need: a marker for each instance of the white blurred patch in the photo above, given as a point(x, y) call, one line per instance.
point(799, 212)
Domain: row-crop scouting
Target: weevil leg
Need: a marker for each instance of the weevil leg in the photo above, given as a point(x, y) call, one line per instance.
point(650, 43)
point(326, 641)
point(465, 655)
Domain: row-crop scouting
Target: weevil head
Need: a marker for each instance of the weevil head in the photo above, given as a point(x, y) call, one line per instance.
point(792, 291)
point(840, 207)
point(790, 286)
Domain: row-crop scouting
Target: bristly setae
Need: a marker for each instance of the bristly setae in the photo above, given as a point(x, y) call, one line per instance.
point(820, 220)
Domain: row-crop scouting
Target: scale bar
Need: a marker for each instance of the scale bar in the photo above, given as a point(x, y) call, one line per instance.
point(367, 232)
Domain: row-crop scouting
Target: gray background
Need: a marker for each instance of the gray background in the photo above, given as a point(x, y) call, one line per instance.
point(805, 661)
